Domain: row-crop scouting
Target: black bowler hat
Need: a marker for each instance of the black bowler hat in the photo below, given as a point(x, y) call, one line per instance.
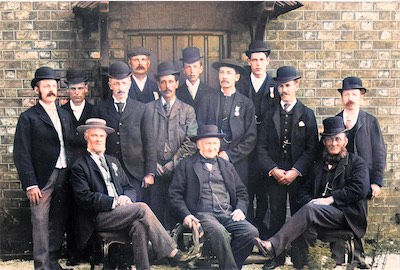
point(190, 55)
point(95, 123)
point(229, 62)
point(285, 74)
point(139, 51)
point(166, 68)
point(207, 131)
point(75, 76)
point(119, 70)
point(258, 46)
point(44, 73)
point(333, 126)
point(352, 83)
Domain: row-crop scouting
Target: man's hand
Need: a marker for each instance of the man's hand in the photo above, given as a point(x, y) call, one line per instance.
point(376, 191)
point(288, 178)
point(148, 180)
point(34, 195)
point(168, 167)
point(160, 170)
point(223, 155)
point(123, 200)
point(189, 220)
point(238, 215)
point(278, 173)
point(323, 201)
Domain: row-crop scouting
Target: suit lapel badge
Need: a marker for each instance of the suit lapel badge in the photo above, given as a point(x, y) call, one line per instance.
point(115, 168)
point(237, 111)
point(271, 92)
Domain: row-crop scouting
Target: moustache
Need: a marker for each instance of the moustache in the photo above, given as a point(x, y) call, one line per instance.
point(349, 103)
point(51, 94)
point(140, 68)
point(224, 81)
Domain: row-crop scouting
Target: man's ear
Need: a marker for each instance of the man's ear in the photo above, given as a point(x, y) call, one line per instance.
point(237, 77)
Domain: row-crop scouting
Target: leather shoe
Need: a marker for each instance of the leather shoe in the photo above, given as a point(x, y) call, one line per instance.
point(265, 247)
point(181, 258)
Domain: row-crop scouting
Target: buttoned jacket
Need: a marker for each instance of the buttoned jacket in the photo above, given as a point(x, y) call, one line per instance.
point(184, 95)
point(304, 139)
point(150, 91)
point(133, 140)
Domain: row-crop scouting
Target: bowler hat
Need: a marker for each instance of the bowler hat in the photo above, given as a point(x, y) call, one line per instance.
point(333, 126)
point(352, 83)
point(139, 51)
point(119, 70)
point(166, 68)
point(44, 73)
point(258, 46)
point(95, 123)
point(190, 55)
point(75, 76)
point(207, 131)
point(229, 62)
point(285, 74)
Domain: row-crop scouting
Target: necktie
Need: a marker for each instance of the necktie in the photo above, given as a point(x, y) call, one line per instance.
point(103, 163)
point(286, 106)
point(167, 107)
point(348, 124)
point(120, 106)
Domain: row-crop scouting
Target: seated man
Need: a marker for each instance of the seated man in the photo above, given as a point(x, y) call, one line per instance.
point(206, 189)
point(104, 200)
point(333, 197)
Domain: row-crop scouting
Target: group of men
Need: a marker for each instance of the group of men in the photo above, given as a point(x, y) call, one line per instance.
point(227, 159)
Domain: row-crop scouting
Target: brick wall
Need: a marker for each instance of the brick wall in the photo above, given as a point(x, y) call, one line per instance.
point(325, 40)
point(330, 40)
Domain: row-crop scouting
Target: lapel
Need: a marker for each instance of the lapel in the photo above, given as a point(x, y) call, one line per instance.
point(237, 105)
point(298, 111)
point(361, 120)
point(129, 108)
point(340, 168)
point(198, 168)
point(93, 165)
point(175, 108)
point(160, 110)
point(276, 118)
point(111, 108)
point(43, 115)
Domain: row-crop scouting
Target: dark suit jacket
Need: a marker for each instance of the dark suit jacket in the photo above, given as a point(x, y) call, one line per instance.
point(369, 144)
point(269, 100)
point(91, 195)
point(185, 188)
point(350, 187)
point(134, 142)
point(304, 139)
point(150, 91)
point(184, 95)
point(37, 147)
point(243, 126)
point(79, 146)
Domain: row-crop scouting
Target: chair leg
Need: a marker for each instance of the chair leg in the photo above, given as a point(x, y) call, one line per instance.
point(350, 260)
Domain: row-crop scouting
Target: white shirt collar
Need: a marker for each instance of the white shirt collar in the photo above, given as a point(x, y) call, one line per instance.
point(47, 107)
point(352, 117)
point(171, 103)
point(77, 108)
point(290, 106)
point(257, 82)
point(193, 87)
point(140, 83)
point(233, 92)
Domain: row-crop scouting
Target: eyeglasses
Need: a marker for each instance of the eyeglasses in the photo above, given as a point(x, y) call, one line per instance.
point(331, 139)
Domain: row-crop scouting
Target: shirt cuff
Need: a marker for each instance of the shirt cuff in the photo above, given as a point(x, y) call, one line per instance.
point(270, 172)
point(297, 171)
point(31, 187)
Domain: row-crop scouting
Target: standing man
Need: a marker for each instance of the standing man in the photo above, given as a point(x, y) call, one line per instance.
point(366, 140)
point(174, 124)
point(333, 197)
point(234, 115)
point(106, 201)
point(192, 91)
point(42, 138)
point(262, 91)
point(143, 89)
point(206, 189)
point(286, 146)
point(133, 142)
point(77, 106)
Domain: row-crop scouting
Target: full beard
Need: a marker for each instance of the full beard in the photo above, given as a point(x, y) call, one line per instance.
point(334, 159)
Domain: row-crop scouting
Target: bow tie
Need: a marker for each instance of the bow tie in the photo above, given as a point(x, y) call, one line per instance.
point(208, 160)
